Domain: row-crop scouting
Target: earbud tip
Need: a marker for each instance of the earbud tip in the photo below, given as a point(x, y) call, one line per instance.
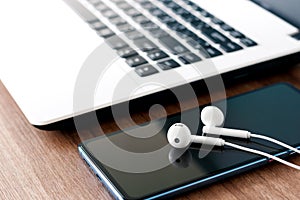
point(212, 116)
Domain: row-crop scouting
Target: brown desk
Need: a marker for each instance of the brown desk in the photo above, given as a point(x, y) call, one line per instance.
point(37, 164)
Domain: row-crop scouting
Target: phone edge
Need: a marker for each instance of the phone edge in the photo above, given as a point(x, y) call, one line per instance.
point(184, 188)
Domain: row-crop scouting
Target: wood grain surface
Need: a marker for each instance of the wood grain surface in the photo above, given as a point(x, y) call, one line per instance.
point(38, 164)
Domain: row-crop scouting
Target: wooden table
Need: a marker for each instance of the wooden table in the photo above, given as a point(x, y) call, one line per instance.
point(38, 164)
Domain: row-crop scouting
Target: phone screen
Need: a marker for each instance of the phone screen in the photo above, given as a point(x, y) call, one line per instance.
point(273, 111)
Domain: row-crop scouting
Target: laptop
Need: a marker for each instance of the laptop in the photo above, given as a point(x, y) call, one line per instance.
point(45, 46)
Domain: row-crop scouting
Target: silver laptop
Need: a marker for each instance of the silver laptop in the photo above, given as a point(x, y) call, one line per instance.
point(45, 44)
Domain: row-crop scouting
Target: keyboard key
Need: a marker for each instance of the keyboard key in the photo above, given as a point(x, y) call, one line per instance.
point(172, 45)
point(197, 8)
point(141, 19)
point(97, 25)
point(173, 25)
point(132, 12)
point(124, 6)
point(118, 21)
point(236, 34)
point(165, 1)
point(157, 55)
point(106, 32)
point(189, 58)
point(109, 14)
point(172, 5)
point(166, 19)
point(198, 43)
point(144, 44)
point(95, 2)
point(101, 7)
point(214, 35)
point(200, 40)
point(142, 1)
point(230, 46)
point(158, 33)
point(179, 28)
point(150, 26)
point(181, 11)
point(133, 35)
point(125, 28)
point(162, 15)
point(116, 42)
point(188, 17)
point(116, 1)
point(210, 52)
point(185, 34)
point(168, 64)
point(204, 13)
point(157, 12)
point(135, 61)
point(248, 42)
point(226, 27)
point(145, 70)
point(197, 22)
point(188, 2)
point(148, 6)
point(217, 21)
point(126, 52)
point(202, 26)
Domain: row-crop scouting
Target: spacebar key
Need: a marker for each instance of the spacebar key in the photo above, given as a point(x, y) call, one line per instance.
point(172, 45)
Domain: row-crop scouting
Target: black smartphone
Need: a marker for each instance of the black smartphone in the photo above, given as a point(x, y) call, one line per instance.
point(148, 168)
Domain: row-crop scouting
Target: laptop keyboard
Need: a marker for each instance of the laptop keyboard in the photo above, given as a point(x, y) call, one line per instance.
point(206, 37)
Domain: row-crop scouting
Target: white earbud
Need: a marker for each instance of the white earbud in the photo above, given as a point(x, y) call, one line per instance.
point(179, 136)
point(212, 117)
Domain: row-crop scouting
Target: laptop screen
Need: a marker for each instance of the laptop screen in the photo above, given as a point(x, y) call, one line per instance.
point(289, 10)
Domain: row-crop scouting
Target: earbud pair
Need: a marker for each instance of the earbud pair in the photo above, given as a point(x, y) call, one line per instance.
point(179, 135)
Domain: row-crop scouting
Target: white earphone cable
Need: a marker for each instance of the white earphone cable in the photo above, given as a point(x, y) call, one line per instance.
point(263, 154)
point(275, 141)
